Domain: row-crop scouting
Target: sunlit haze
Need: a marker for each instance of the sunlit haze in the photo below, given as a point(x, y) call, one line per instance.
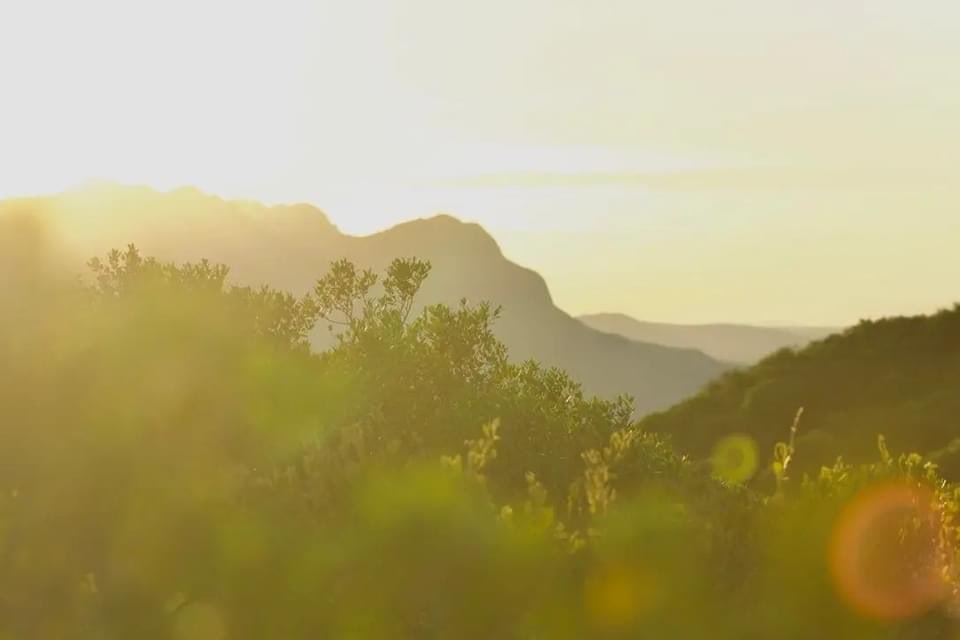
point(479, 319)
point(765, 161)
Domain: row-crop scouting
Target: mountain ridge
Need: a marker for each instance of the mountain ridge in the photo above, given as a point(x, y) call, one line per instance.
point(725, 341)
point(290, 246)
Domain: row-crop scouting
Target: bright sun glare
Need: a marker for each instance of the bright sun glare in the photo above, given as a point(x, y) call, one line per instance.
point(383, 110)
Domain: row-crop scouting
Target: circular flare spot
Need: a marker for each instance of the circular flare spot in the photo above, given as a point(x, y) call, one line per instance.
point(617, 597)
point(199, 621)
point(884, 557)
point(734, 458)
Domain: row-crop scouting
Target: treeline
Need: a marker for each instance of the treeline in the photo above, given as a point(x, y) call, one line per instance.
point(897, 376)
point(176, 463)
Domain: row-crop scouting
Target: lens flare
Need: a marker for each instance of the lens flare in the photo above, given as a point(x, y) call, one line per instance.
point(734, 458)
point(199, 621)
point(617, 597)
point(883, 553)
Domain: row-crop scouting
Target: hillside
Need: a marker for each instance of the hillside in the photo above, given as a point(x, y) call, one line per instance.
point(743, 344)
point(287, 247)
point(897, 377)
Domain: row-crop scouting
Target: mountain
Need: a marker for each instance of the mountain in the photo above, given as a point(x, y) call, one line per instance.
point(743, 344)
point(897, 377)
point(289, 246)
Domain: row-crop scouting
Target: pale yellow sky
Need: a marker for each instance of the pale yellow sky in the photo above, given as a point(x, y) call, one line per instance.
point(819, 140)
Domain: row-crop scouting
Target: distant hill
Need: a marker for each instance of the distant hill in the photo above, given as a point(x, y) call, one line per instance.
point(290, 246)
point(742, 344)
point(899, 377)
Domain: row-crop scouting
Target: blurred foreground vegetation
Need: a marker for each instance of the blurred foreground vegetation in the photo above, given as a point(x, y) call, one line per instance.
point(176, 463)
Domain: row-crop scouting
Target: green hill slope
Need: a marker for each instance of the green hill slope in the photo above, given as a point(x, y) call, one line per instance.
point(899, 377)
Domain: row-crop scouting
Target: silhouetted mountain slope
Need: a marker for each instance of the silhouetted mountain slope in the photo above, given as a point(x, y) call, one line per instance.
point(744, 344)
point(898, 377)
point(288, 247)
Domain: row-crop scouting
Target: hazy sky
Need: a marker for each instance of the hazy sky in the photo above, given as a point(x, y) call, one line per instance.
point(813, 146)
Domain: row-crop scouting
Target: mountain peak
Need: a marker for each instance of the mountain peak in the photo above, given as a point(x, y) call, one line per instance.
point(443, 228)
point(288, 246)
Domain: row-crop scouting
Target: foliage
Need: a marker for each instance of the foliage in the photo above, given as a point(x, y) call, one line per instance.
point(895, 376)
point(175, 463)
